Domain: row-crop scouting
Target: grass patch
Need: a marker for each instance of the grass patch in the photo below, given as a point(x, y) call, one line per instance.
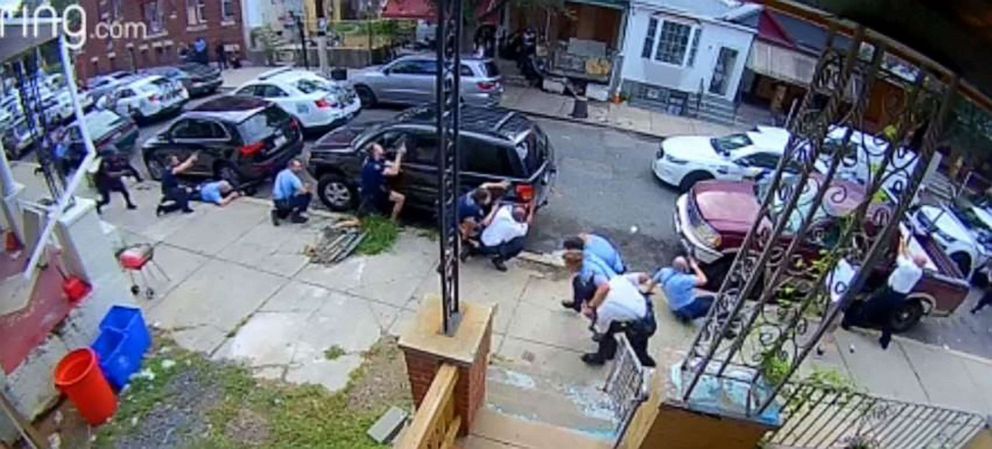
point(251, 413)
point(334, 352)
point(380, 235)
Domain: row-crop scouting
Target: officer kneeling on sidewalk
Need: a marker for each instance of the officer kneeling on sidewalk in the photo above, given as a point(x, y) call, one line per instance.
point(620, 306)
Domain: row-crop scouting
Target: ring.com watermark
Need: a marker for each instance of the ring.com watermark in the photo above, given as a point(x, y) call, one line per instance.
point(71, 23)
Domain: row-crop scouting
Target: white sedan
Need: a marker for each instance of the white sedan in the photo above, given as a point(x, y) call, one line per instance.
point(317, 102)
point(685, 160)
point(146, 98)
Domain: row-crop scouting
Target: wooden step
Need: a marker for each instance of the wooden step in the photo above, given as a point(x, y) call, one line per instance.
point(493, 430)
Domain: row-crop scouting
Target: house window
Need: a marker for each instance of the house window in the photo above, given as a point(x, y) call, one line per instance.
point(155, 16)
point(227, 9)
point(196, 12)
point(673, 43)
point(695, 46)
point(649, 38)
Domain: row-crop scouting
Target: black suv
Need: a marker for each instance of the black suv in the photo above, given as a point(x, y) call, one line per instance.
point(496, 144)
point(239, 139)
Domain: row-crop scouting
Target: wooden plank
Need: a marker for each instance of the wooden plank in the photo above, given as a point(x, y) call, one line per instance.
point(432, 408)
point(452, 433)
point(30, 434)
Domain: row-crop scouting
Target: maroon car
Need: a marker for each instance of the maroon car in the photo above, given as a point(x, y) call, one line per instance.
point(713, 218)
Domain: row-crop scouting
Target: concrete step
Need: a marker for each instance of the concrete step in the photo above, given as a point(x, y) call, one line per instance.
point(716, 116)
point(493, 430)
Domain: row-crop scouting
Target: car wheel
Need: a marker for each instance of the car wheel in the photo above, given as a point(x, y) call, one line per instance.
point(692, 178)
point(229, 173)
point(906, 316)
point(716, 272)
point(963, 262)
point(336, 193)
point(366, 95)
point(155, 168)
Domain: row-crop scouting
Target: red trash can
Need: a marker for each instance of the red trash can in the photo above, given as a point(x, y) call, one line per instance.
point(78, 375)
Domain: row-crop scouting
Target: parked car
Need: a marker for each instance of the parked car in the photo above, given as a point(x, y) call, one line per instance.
point(19, 138)
point(963, 231)
point(685, 160)
point(411, 80)
point(239, 139)
point(146, 98)
point(197, 79)
point(713, 218)
point(98, 86)
point(206, 79)
point(496, 144)
point(318, 103)
point(107, 129)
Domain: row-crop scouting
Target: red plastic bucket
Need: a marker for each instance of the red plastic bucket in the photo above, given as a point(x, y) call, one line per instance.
point(78, 375)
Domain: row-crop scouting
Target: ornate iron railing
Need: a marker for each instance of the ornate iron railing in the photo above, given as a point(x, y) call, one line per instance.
point(449, 33)
point(626, 385)
point(820, 417)
point(844, 201)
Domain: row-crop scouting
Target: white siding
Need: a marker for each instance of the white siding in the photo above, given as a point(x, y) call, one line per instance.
point(714, 36)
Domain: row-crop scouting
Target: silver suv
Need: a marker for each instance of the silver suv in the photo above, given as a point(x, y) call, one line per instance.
point(411, 80)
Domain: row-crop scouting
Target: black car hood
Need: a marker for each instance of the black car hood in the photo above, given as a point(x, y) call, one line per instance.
point(340, 138)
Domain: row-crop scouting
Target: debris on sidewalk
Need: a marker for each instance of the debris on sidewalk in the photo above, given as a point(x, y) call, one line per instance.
point(337, 242)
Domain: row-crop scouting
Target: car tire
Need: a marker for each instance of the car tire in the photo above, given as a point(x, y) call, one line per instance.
point(336, 193)
point(366, 95)
point(229, 173)
point(906, 316)
point(692, 178)
point(716, 272)
point(155, 168)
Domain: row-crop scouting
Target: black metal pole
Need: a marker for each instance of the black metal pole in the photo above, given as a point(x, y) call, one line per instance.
point(303, 42)
point(449, 31)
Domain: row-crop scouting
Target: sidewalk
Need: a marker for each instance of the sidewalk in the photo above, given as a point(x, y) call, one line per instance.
point(543, 104)
point(618, 116)
point(242, 289)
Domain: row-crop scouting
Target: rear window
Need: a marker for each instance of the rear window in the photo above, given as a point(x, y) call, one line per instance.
point(101, 123)
point(310, 86)
point(492, 71)
point(533, 149)
point(259, 126)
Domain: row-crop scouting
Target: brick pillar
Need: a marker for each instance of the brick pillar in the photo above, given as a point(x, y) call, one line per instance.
point(425, 348)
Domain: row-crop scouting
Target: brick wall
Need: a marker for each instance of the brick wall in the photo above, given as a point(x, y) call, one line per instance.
point(156, 47)
point(470, 391)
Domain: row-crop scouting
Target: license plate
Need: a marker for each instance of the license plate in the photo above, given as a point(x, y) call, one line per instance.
point(280, 141)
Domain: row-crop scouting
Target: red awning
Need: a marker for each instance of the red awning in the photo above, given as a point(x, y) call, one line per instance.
point(409, 9)
point(424, 9)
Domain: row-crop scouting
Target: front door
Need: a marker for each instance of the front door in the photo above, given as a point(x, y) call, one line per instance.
point(723, 70)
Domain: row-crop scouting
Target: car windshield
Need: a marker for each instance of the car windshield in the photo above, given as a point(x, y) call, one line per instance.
point(262, 125)
point(101, 123)
point(727, 144)
point(969, 216)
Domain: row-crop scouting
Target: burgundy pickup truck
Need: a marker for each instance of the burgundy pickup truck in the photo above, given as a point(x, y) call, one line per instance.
point(714, 216)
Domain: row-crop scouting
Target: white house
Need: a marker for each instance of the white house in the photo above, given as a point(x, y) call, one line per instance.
point(686, 57)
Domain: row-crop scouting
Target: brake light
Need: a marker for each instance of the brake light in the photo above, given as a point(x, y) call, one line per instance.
point(525, 192)
point(252, 150)
point(324, 104)
point(487, 86)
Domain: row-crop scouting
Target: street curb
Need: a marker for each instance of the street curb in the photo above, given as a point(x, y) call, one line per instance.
point(586, 122)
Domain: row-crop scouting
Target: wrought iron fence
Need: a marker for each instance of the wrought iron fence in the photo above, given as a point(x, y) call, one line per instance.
point(839, 194)
point(819, 417)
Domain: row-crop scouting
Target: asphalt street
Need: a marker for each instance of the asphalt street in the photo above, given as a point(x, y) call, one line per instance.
point(605, 185)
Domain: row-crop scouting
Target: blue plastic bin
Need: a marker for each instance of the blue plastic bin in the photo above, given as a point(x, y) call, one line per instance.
point(122, 344)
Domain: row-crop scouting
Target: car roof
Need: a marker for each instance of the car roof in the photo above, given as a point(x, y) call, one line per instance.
point(495, 122)
point(140, 80)
point(229, 108)
point(466, 57)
